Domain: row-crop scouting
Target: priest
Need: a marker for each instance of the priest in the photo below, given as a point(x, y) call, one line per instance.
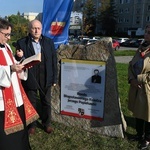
point(16, 112)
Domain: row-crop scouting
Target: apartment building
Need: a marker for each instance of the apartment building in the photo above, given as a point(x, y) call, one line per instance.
point(30, 16)
point(133, 15)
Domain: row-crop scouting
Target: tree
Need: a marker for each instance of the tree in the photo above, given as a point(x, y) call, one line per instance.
point(108, 17)
point(89, 18)
point(20, 26)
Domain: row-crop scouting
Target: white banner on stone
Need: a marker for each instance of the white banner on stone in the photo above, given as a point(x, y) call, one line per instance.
point(83, 88)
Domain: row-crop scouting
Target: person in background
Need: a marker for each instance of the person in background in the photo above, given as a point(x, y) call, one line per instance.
point(40, 77)
point(16, 111)
point(139, 92)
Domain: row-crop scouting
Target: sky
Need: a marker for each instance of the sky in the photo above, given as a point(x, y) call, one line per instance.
point(9, 7)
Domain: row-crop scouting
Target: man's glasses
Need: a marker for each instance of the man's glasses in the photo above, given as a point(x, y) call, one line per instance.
point(6, 34)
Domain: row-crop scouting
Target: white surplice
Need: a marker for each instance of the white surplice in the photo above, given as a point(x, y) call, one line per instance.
point(7, 78)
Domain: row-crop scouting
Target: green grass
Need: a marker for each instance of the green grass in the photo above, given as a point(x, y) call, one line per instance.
point(123, 88)
point(124, 53)
point(71, 138)
point(123, 85)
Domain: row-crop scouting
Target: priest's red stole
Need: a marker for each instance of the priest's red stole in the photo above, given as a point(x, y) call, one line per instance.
point(13, 122)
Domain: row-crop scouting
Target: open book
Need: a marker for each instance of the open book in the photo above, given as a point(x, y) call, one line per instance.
point(30, 61)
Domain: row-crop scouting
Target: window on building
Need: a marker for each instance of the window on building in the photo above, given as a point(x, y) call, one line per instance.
point(138, 10)
point(137, 20)
point(120, 20)
point(120, 11)
point(119, 29)
point(127, 1)
point(148, 19)
point(139, 1)
point(148, 7)
point(126, 20)
point(71, 19)
point(125, 29)
point(121, 1)
point(126, 10)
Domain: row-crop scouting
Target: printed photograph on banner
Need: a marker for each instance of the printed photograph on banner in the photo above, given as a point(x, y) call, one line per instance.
point(83, 88)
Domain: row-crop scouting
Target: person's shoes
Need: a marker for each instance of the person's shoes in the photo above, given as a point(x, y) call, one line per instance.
point(144, 145)
point(136, 138)
point(31, 131)
point(48, 129)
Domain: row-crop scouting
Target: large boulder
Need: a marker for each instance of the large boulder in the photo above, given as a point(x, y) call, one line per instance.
point(113, 123)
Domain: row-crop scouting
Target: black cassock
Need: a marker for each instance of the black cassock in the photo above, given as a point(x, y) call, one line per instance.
point(14, 141)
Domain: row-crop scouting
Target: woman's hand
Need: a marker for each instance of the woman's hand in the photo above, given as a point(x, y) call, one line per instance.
point(135, 83)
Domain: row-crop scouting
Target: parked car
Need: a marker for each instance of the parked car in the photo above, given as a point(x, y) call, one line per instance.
point(115, 44)
point(122, 40)
point(137, 43)
point(133, 42)
point(84, 41)
point(97, 37)
point(73, 41)
point(129, 42)
point(90, 41)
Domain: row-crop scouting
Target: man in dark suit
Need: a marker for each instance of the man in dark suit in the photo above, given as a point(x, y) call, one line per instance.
point(41, 76)
point(96, 78)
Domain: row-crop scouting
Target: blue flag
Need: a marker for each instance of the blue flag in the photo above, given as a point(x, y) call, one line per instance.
point(56, 20)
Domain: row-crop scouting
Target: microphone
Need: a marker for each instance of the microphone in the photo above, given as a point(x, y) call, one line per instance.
point(21, 60)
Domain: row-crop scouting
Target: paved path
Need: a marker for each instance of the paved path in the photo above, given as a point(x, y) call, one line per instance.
point(123, 59)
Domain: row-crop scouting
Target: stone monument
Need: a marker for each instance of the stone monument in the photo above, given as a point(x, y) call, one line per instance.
point(113, 124)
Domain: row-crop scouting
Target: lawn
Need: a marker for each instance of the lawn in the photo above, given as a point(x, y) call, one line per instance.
point(71, 138)
point(124, 53)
